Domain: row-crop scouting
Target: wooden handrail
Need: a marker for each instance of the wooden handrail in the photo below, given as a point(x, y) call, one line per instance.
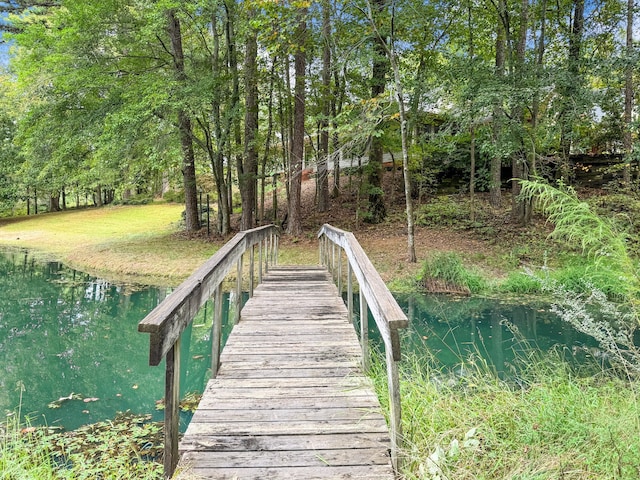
point(169, 319)
point(375, 296)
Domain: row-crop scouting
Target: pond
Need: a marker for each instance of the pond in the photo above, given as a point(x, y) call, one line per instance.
point(71, 354)
point(70, 351)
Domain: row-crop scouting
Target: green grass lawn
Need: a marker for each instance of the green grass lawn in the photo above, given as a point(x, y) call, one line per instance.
point(134, 243)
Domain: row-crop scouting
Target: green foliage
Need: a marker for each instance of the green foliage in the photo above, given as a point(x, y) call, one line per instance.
point(598, 237)
point(174, 196)
point(554, 421)
point(135, 200)
point(22, 453)
point(448, 211)
point(445, 272)
point(127, 447)
point(520, 283)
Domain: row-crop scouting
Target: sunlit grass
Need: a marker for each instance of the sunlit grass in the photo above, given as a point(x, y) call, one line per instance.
point(133, 242)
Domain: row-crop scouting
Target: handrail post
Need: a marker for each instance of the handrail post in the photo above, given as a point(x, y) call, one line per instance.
point(260, 266)
point(238, 299)
point(364, 330)
point(395, 409)
point(340, 271)
point(276, 243)
point(333, 261)
point(262, 258)
point(171, 409)
point(216, 331)
point(252, 257)
point(350, 291)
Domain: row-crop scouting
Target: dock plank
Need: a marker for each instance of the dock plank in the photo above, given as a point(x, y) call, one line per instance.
point(290, 400)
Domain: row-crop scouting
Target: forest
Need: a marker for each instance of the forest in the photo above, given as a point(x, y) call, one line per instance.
point(121, 100)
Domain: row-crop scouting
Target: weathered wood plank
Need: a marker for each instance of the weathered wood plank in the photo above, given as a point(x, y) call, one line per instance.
point(235, 370)
point(290, 458)
point(347, 383)
point(290, 428)
point(359, 402)
point(250, 443)
point(292, 414)
point(369, 472)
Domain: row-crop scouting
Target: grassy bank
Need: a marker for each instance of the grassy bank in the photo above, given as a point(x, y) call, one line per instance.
point(551, 424)
point(141, 244)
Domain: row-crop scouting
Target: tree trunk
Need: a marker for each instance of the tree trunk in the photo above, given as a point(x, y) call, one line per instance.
point(336, 108)
point(248, 167)
point(54, 202)
point(411, 255)
point(221, 134)
point(495, 195)
point(376, 211)
point(294, 226)
point(572, 84)
point(518, 167)
point(267, 145)
point(628, 95)
point(234, 118)
point(97, 197)
point(192, 218)
point(323, 174)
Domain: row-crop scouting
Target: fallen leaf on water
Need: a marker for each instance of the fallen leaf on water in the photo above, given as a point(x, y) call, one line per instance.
point(85, 411)
point(135, 386)
point(198, 357)
point(90, 399)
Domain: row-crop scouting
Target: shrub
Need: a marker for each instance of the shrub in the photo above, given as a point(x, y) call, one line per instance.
point(520, 283)
point(445, 273)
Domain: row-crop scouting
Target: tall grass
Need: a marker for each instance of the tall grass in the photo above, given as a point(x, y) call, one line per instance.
point(559, 426)
point(23, 455)
point(125, 448)
point(446, 272)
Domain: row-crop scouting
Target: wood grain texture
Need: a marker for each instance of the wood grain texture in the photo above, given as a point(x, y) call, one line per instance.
point(290, 400)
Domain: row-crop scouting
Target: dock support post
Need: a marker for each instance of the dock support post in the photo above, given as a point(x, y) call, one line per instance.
point(238, 299)
point(395, 409)
point(217, 332)
point(350, 292)
point(364, 330)
point(340, 271)
point(275, 258)
point(259, 262)
point(333, 261)
point(171, 409)
point(252, 261)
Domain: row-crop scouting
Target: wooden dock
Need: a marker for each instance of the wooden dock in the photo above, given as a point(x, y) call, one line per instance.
point(290, 400)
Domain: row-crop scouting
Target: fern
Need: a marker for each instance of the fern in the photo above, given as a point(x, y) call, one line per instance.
point(576, 223)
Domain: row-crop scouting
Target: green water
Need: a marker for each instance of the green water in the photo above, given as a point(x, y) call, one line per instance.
point(499, 334)
point(63, 332)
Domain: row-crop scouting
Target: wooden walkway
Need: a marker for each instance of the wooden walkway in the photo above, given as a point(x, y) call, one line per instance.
point(290, 400)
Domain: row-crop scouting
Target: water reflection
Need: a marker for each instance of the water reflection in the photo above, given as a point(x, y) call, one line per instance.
point(70, 351)
point(501, 334)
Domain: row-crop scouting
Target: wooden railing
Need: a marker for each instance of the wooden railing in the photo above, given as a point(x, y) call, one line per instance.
point(374, 296)
point(169, 319)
